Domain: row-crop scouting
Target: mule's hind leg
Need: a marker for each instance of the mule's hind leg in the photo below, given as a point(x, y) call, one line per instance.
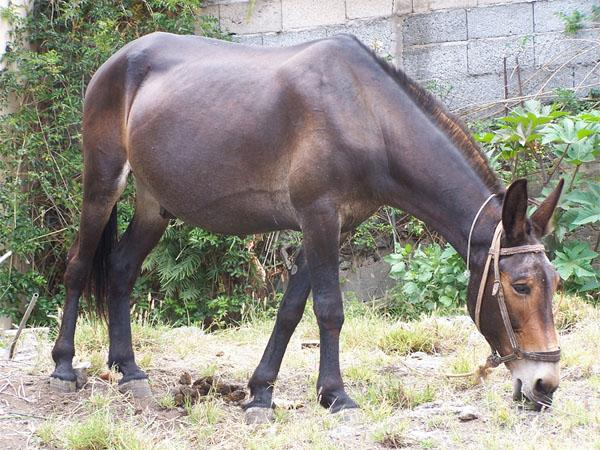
point(288, 316)
point(142, 234)
point(321, 229)
point(98, 222)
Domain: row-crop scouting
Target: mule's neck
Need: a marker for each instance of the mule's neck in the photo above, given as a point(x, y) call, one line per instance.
point(432, 179)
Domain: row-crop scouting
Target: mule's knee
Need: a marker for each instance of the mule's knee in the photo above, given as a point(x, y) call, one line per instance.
point(329, 316)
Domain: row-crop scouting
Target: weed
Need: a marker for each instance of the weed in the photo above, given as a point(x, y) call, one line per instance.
point(392, 436)
point(167, 401)
point(407, 340)
point(573, 22)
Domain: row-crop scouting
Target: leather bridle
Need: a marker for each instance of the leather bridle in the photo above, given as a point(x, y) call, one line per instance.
point(494, 254)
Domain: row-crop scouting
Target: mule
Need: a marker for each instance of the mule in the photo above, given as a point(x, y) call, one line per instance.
point(314, 137)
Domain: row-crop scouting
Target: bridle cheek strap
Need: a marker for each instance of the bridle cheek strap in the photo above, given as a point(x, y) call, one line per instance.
point(494, 255)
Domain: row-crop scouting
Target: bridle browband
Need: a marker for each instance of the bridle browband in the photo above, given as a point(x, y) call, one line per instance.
point(494, 254)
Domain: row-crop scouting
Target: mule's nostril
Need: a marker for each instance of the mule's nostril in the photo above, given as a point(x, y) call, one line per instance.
point(544, 387)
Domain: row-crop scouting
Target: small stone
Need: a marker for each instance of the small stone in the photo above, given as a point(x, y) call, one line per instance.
point(467, 414)
point(219, 354)
point(418, 355)
point(185, 379)
point(255, 416)
point(310, 344)
point(81, 370)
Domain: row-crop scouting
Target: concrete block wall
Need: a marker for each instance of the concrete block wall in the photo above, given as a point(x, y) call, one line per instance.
point(456, 48)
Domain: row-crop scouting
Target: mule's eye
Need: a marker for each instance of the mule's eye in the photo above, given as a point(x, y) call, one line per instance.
point(522, 289)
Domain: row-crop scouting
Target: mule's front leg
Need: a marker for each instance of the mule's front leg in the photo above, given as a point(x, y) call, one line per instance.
point(288, 316)
point(321, 241)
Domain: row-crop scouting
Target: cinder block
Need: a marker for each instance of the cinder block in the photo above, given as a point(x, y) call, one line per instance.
point(312, 13)
point(468, 92)
point(289, 38)
point(437, 61)
point(556, 49)
point(241, 18)
point(586, 78)
point(364, 9)
point(402, 7)
point(546, 18)
point(249, 39)
point(431, 5)
point(487, 55)
point(504, 20)
point(543, 81)
point(376, 34)
point(446, 26)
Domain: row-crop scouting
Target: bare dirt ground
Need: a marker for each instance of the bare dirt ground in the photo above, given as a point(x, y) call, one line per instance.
point(399, 373)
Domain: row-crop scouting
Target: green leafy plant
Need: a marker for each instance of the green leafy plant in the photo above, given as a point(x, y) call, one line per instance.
point(430, 278)
point(560, 143)
point(573, 22)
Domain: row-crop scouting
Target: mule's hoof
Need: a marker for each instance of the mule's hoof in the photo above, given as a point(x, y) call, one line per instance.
point(139, 389)
point(62, 386)
point(256, 415)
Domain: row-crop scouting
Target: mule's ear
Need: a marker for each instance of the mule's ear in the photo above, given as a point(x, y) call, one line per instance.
point(514, 210)
point(541, 217)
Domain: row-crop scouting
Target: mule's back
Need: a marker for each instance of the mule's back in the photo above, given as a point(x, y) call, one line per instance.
point(210, 127)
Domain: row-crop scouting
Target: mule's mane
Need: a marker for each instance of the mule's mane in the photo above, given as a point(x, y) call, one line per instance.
point(450, 124)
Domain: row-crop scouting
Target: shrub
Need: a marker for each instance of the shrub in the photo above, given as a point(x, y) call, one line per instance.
point(430, 278)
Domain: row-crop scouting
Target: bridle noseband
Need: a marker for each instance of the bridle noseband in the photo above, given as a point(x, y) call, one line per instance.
point(494, 254)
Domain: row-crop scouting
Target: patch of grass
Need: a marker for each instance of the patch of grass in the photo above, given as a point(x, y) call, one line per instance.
point(394, 393)
point(408, 340)
point(91, 335)
point(208, 371)
point(47, 433)
point(571, 310)
point(576, 349)
point(500, 413)
point(167, 401)
point(91, 433)
point(145, 360)
point(360, 374)
point(204, 413)
point(91, 338)
point(98, 401)
point(97, 363)
point(462, 364)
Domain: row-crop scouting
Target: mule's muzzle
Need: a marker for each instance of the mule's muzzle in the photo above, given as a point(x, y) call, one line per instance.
point(538, 389)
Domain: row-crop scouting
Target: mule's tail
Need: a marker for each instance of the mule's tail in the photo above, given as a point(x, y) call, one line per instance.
point(98, 281)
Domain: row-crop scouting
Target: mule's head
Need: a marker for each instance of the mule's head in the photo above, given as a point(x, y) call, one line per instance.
point(528, 282)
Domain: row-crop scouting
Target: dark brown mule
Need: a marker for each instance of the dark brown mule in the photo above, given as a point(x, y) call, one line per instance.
point(315, 137)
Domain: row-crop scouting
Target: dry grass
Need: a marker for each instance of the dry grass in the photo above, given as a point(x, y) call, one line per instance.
point(407, 400)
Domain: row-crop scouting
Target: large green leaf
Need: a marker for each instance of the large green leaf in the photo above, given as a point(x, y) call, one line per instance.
point(575, 260)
